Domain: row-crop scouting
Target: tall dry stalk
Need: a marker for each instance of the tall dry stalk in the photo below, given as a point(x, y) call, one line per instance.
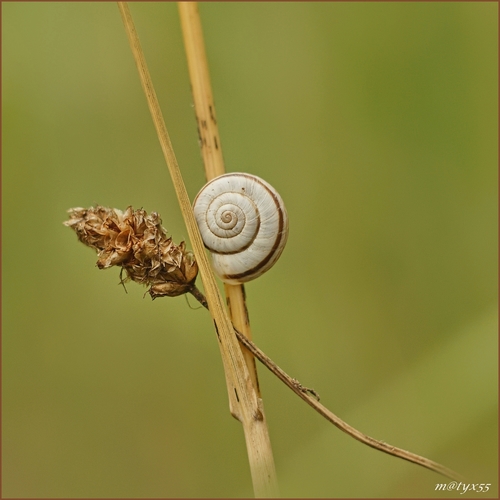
point(245, 406)
point(211, 149)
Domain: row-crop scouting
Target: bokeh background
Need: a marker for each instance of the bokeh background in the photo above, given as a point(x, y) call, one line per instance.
point(377, 122)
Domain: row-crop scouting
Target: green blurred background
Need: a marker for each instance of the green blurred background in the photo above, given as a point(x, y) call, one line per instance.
point(377, 122)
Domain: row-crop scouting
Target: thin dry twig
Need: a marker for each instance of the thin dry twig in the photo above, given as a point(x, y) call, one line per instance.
point(139, 245)
point(311, 397)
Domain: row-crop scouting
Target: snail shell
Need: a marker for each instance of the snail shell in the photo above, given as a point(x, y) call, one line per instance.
point(244, 224)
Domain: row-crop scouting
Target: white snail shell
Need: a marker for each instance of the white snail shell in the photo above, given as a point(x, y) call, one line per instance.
point(244, 224)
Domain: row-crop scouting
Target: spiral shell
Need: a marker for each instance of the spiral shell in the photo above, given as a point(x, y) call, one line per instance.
point(244, 224)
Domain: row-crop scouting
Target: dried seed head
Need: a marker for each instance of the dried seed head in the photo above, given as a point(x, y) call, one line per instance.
point(137, 243)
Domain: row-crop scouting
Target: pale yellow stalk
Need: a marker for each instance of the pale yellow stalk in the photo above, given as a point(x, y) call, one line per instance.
point(244, 403)
point(213, 160)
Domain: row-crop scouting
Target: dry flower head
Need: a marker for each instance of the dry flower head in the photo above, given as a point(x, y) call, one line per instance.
point(136, 242)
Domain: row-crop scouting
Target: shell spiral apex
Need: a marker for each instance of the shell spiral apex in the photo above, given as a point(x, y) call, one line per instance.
point(244, 224)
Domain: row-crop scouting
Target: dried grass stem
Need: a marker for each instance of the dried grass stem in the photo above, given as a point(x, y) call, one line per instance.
point(243, 401)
